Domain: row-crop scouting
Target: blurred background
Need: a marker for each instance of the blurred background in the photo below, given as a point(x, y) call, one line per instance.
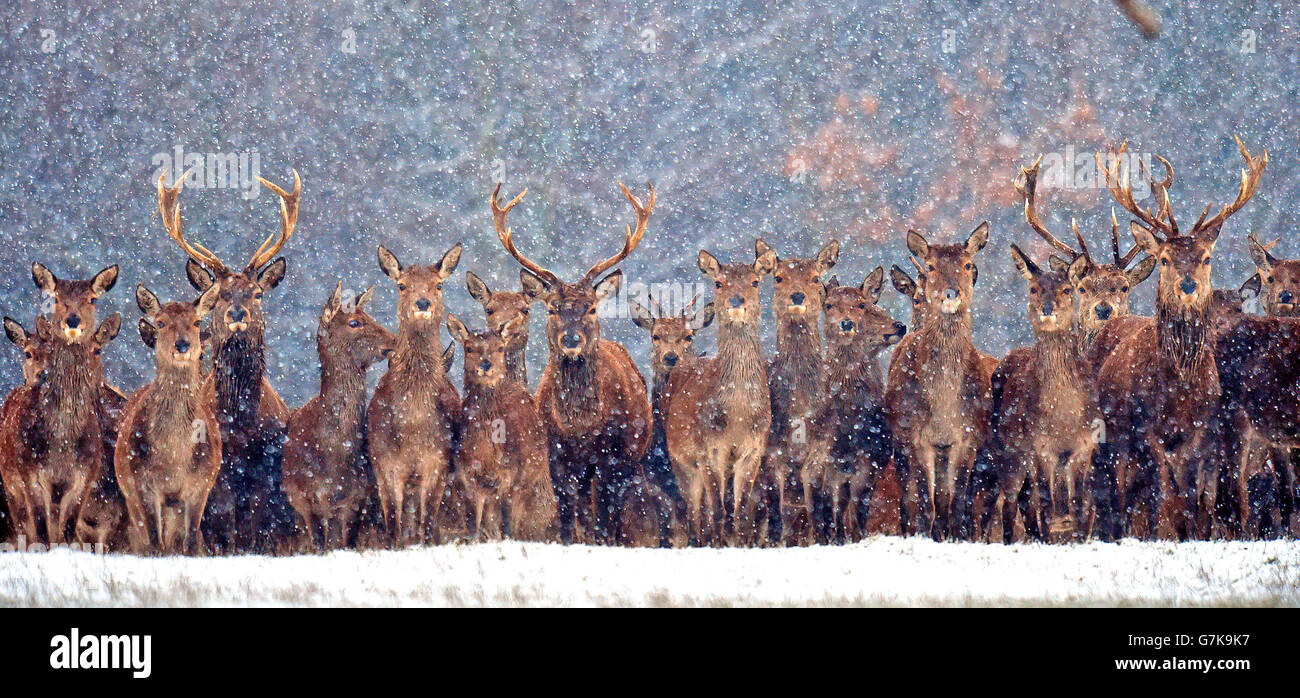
point(795, 122)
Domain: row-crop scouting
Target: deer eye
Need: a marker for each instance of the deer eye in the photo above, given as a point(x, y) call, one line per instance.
point(654, 337)
point(690, 338)
point(92, 300)
point(780, 279)
point(755, 283)
point(1270, 279)
point(929, 267)
point(28, 354)
point(717, 284)
point(1206, 261)
point(257, 296)
point(354, 323)
point(1164, 262)
point(1124, 290)
point(489, 311)
point(969, 266)
point(401, 287)
point(161, 324)
point(1033, 291)
point(1067, 291)
point(197, 323)
point(828, 306)
point(524, 311)
point(438, 287)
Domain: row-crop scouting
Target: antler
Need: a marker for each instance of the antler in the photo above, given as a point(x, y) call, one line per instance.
point(633, 237)
point(288, 220)
point(1083, 246)
point(506, 235)
point(1027, 184)
point(170, 209)
point(1117, 181)
point(1249, 181)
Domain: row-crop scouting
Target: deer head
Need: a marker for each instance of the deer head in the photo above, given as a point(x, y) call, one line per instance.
point(175, 330)
point(735, 286)
point(799, 287)
point(419, 289)
point(347, 334)
point(1280, 279)
point(35, 346)
point(853, 316)
point(672, 338)
point(950, 271)
point(1051, 293)
point(73, 315)
point(504, 307)
point(485, 352)
point(572, 323)
point(238, 309)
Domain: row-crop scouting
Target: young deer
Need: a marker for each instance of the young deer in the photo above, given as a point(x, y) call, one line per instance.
point(672, 344)
point(796, 380)
point(1280, 279)
point(591, 398)
point(501, 456)
point(1160, 387)
point(719, 411)
point(413, 414)
point(1045, 418)
point(168, 452)
point(938, 397)
point(327, 474)
point(853, 439)
point(248, 510)
point(36, 349)
point(501, 308)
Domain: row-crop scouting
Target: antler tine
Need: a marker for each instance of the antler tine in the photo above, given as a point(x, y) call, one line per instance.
point(170, 209)
point(1249, 181)
point(1027, 184)
point(1117, 181)
point(1083, 246)
point(655, 309)
point(506, 235)
point(1114, 238)
point(1165, 207)
point(633, 237)
point(288, 221)
point(690, 305)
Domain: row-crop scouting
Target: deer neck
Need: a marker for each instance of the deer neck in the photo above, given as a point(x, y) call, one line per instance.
point(238, 365)
point(948, 334)
point(1060, 368)
point(577, 391)
point(740, 357)
point(343, 391)
point(516, 366)
point(799, 346)
point(853, 373)
point(174, 402)
point(71, 388)
point(416, 355)
point(1183, 335)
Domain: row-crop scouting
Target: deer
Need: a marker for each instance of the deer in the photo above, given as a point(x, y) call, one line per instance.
point(501, 457)
point(1160, 387)
point(591, 397)
point(247, 510)
point(327, 473)
point(501, 308)
point(168, 451)
point(797, 387)
point(1101, 289)
point(938, 399)
point(1045, 418)
point(36, 350)
point(672, 342)
point(413, 414)
point(853, 439)
point(719, 411)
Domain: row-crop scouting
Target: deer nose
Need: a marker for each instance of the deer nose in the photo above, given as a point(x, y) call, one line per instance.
point(485, 366)
point(1187, 285)
point(73, 321)
point(950, 294)
point(422, 304)
point(900, 329)
point(797, 298)
point(571, 340)
point(237, 314)
point(1103, 311)
point(1048, 307)
point(182, 346)
point(736, 301)
point(670, 358)
point(846, 325)
point(1285, 297)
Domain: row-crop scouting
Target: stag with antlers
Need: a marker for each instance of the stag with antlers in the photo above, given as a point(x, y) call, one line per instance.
point(248, 509)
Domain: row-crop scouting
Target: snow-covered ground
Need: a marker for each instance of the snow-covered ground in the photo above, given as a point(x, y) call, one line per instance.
point(880, 571)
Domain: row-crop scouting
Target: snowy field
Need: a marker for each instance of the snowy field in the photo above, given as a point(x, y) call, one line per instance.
point(883, 571)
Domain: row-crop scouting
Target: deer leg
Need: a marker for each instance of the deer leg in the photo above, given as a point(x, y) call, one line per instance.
point(906, 493)
point(693, 494)
point(743, 497)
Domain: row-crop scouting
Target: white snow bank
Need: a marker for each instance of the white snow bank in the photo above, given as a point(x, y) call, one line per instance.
point(880, 571)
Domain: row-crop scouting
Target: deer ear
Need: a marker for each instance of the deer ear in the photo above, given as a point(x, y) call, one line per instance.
point(708, 263)
point(206, 302)
point(388, 262)
point(15, 332)
point(978, 238)
point(363, 300)
point(449, 357)
point(1024, 264)
point(458, 331)
point(1251, 288)
point(1260, 256)
point(874, 284)
point(917, 245)
point(334, 303)
point(640, 315)
point(272, 274)
point(1144, 238)
point(199, 276)
point(608, 286)
point(43, 278)
point(448, 263)
point(901, 281)
point(765, 258)
point(702, 318)
point(828, 256)
point(44, 328)
point(1057, 264)
point(1077, 269)
point(532, 286)
point(108, 330)
point(478, 290)
point(104, 280)
point(1139, 273)
point(148, 333)
point(517, 326)
point(147, 300)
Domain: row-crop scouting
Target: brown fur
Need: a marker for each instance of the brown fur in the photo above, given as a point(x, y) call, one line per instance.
point(500, 308)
